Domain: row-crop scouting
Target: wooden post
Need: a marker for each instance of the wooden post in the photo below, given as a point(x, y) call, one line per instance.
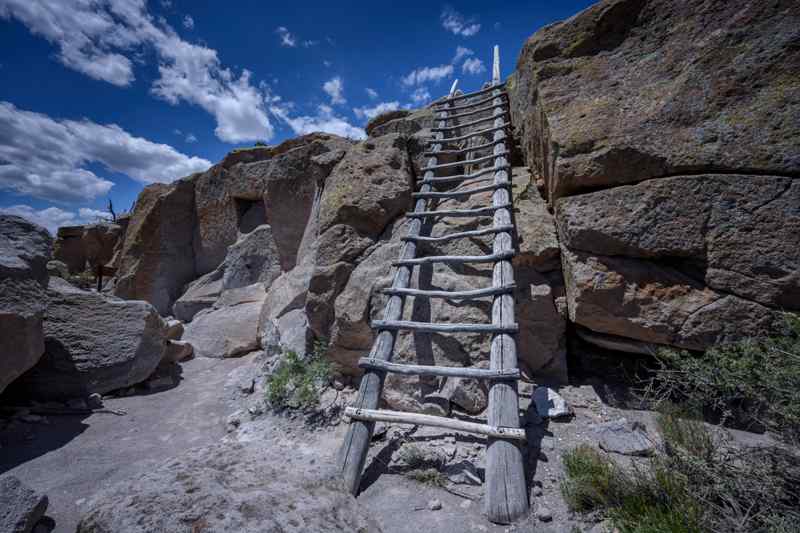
point(353, 452)
point(506, 490)
point(496, 66)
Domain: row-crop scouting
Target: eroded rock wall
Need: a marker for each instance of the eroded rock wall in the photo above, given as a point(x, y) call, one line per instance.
point(665, 134)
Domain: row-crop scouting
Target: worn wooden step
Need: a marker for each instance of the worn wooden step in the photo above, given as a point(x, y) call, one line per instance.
point(464, 192)
point(465, 162)
point(491, 258)
point(476, 111)
point(398, 417)
point(468, 124)
point(451, 295)
point(478, 212)
point(443, 327)
point(449, 100)
point(461, 234)
point(469, 135)
point(445, 371)
point(464, 177)
point(490, 144)
point(473, 104)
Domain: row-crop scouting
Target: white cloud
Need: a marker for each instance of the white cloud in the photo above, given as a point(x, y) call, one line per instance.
point(45, 158)
point(53, 218)
point(334, 88)
point(454, 22)
point(166, 4)
point(461, 52)
point(327, 63)
point(325, 121)
point(286, 37)
point(426, 74)
point(191, 138)
point(188, 22)
point(372, 112)
point(98, 38)
point(473, 65)
point(372, 93)
point(421, 95)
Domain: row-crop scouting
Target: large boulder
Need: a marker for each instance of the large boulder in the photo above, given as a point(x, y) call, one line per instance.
point(688, 261)
point(230, 327)
point(70, 249)
point(21, 507)
point(249, 488)
point(24, 254)
point(629, 90)
point(157, 257)
point(93, 344)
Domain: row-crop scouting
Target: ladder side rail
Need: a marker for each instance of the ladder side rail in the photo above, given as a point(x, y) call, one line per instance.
point(506, 489)
point(353, 453)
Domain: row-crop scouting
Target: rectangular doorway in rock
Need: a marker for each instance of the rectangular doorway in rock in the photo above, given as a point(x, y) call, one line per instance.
point(250, 213)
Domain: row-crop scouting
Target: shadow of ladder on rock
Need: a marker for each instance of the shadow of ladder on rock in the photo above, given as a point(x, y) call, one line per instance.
point(506, 490)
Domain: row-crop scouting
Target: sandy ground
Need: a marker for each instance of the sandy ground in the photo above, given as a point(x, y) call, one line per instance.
point(71, 457)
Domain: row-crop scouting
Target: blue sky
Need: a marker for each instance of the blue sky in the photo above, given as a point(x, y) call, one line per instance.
point(101, 97)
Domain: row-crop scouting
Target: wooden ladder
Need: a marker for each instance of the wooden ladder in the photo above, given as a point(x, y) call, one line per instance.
point(505, 487)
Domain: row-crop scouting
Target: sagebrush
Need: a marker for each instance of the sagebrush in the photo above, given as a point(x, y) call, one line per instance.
point(298, 381)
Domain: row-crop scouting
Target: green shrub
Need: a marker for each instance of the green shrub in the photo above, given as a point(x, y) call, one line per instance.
point(752, 383)
point(698, 485)
point(299, 382)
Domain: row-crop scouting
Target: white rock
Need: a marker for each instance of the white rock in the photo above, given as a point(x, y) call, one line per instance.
point(549, 404)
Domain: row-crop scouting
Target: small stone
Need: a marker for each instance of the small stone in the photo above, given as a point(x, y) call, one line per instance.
point(465, 504)
point(434, 505)
point(627, 439)
point(550, 404)
point(544, 514)
point(248, 386)
point(94, 401)
point(537, 491)
point(379, 433)
point(256, 409)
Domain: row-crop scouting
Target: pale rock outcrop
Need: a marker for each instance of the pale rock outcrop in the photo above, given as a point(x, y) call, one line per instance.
point(20, 506)
point(249, 488)
point(253, 258)
point(274, 185)
point(24, 255)
point(157, 257)
point(688, 261)
point(629, 90)
point(230, 327)
point(93, 344)
point(87, 247)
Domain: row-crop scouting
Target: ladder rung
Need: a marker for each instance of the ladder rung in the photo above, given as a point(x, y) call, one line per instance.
point(446, 371)
point(461, 234)
point(466, 162)
point(434, 327)
point(481, 211)
point(491, 258)
point(470, 95)
point(452, 295)
point(398, 417)
point(462, 150)
point(463, 177)
point(468, 124)
point(474, 112)
point(467, 106)
point(469, 135)
point(466, 192)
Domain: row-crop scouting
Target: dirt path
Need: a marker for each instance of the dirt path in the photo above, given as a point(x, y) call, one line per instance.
point(70, 458)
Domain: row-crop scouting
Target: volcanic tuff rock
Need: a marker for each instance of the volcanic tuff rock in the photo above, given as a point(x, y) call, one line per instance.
point(88, 246)
point(20, 506)
point(24, 253)
point(629, 90)
point(181, 231)
point(93, 343)
point(230, 487)
point(688, 261)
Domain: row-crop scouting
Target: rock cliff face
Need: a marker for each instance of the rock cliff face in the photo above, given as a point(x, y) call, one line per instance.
point(667, 139)
point(629, 90)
